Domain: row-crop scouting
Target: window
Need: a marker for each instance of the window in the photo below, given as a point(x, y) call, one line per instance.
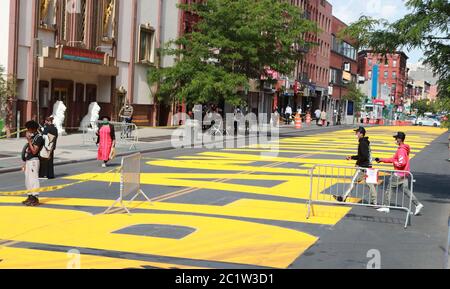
point(335, 76)
point(370, 62)
point(394, 75)
point(108, 21)
point(394, 63)
point(385, 74)
point(147, 45)
point(47, 13)
point(394, 87)
point(370, 74)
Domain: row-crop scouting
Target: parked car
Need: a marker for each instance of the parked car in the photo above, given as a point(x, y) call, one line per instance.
point(412, 118)
point(428, 121)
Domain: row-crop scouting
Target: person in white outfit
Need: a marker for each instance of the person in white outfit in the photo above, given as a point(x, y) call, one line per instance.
point(288, 114)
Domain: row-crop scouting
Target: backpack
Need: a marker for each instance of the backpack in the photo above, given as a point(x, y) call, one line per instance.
point(24, 153)
point(48, 147)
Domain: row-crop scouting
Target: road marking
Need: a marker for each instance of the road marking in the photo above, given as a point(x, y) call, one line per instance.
point(214, 239)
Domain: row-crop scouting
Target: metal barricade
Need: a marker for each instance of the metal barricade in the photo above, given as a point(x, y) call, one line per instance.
point(130, 182)
point(352, 186)
point(126, 133)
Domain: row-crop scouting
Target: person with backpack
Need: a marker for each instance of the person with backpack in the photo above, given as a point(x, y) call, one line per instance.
point(50, 135)
point(363, 161)
point(30, 155)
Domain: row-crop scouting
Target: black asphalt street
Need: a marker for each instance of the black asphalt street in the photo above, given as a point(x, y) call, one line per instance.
point(228, 208)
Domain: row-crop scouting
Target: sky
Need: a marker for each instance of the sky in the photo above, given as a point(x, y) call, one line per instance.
point(392, 10)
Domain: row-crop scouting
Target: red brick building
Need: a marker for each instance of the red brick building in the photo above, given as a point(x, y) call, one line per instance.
point(343, 68)
point(312, 73)
point(392, 73)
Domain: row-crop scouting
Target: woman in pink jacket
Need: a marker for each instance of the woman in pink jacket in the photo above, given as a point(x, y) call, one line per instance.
point(400, 178)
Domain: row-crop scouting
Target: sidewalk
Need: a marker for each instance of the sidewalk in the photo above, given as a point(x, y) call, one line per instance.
point(71, 149)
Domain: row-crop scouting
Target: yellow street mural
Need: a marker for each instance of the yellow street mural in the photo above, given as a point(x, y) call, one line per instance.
point(263, 192)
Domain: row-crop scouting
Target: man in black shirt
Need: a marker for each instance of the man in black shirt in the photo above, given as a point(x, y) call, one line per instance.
point(30, 155)
point(363, 160)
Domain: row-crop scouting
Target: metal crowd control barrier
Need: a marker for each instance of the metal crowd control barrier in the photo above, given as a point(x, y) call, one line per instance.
point(130, 182)
point(352, 186)
point(126, 133)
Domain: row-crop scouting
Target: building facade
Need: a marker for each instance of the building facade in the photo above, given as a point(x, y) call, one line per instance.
point(343, 70)
point(84, 51)
point(392, 76)
point(310, 85)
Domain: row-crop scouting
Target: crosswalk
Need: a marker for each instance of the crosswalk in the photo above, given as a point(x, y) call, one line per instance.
point(245, 206)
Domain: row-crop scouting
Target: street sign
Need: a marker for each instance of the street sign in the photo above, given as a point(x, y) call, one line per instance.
point(375, 81)
point(379, 102)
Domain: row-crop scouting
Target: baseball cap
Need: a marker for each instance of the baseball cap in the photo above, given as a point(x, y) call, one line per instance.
point(400, 135)
point(360, 130)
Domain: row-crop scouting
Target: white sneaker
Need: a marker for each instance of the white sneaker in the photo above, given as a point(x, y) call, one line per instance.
point(418, 209)
point(103, 165)
point(384, 210)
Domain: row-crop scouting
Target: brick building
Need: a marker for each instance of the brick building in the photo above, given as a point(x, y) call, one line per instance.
point(392, 75)
point(312, 72)
point(343, 69)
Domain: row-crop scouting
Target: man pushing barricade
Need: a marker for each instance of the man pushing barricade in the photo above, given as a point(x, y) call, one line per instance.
point(363, 160)
point(399, 178)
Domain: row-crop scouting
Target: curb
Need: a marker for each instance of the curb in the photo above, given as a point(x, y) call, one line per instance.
point(160, 149)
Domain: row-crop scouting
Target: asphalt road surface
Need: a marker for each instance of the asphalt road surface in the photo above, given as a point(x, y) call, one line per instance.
point(229, 208)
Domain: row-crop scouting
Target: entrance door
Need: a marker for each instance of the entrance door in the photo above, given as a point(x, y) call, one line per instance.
point(91, 93)
point(61, 94)
point(62, 90)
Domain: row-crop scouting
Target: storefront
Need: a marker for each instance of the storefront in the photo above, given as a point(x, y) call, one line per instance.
point(77, 77)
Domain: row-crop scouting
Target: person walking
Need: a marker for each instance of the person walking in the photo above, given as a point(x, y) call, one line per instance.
point(106, 141)
point(399, 178)
point(50, 135)
point(30, 155)
point(363, 161)
point(317, 113)
point(323, 117)
point(288, 114)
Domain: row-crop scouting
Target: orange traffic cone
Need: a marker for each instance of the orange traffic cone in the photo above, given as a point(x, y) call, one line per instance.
point(298, 122)
point(308, 120)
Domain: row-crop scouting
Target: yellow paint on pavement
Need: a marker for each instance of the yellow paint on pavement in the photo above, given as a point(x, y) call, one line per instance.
point(220, 240)
point(18, 258)
point(243, 208)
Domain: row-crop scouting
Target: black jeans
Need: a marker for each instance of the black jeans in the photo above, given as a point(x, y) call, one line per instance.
point(47, 169)
point(288, 118)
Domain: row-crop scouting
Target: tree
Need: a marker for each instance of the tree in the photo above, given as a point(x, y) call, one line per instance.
point(422, 106)
point(425, 27)
point(8, 93)
point(235, 41)
point(355, 95)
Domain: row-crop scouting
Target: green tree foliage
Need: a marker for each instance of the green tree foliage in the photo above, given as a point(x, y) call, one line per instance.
point(8, 93)
point(235, 41)
point(425, 27)
point(422, 106)
point(355, 95)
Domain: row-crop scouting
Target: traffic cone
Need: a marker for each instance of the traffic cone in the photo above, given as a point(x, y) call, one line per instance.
point(298, 122)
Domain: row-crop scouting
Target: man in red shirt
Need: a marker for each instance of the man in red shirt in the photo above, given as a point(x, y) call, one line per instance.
point(400, 178)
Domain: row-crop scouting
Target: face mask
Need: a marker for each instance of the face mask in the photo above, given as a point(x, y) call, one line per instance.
point(105, 121)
